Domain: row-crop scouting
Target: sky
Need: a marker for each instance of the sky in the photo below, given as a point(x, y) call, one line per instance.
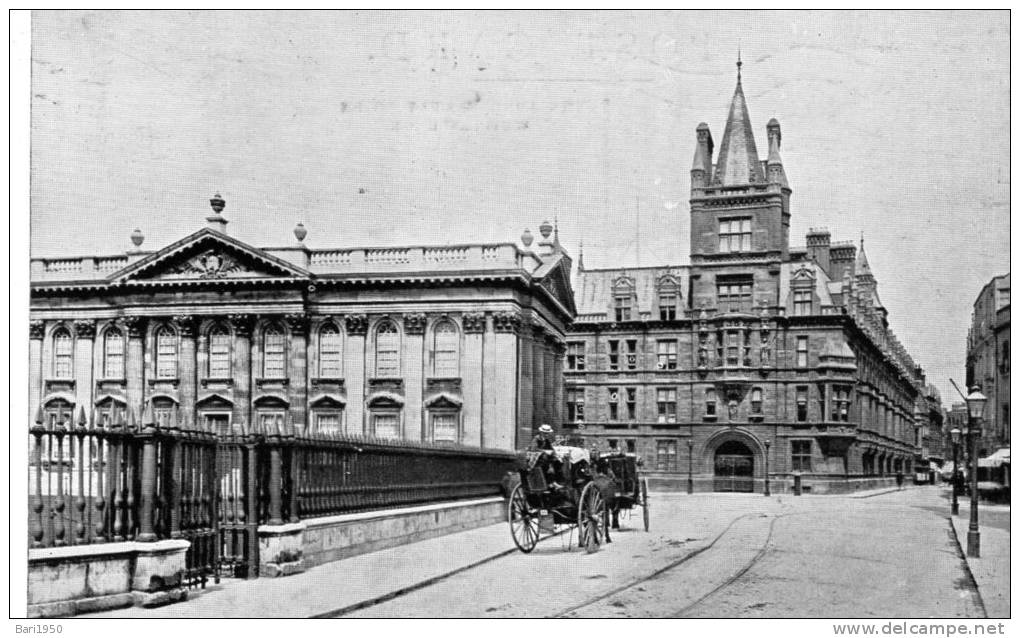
point(391, 128)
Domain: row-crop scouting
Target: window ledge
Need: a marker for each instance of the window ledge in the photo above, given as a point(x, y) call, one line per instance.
point(227, 381)
point(117, 380)
point(327, 380)
point(710, 418)
point(174, 381)
point(261, 381)
point(757, 418)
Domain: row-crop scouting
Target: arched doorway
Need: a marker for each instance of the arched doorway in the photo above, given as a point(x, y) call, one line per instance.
point(734, 468)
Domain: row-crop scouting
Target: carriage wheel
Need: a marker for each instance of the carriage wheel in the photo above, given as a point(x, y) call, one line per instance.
point(644, 501)
point(523, 521)
point(591, 517)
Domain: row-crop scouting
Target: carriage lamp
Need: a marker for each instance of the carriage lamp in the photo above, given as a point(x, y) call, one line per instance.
point(768, 444)
point(954, 436)
point(975, 410)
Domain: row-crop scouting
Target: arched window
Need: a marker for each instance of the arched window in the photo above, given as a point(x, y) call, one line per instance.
point(446, 350)
point(710, 401)
point(166, 353)
point(330, 361)
point(219, 353)
point(274, 353)
point(63, 354)
point(755, 400)
point(113, 354)
point(387, 350)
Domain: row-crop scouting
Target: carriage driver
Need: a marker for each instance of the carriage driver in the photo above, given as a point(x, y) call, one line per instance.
point(551, 464)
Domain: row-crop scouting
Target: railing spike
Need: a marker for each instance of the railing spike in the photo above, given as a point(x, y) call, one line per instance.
point(82, 419)
point(39, 416)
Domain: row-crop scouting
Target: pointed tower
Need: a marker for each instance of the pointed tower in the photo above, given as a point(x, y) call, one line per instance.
point(740, 210)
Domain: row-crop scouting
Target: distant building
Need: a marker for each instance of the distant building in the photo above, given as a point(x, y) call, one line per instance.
point(929, 419)
point(956, 417)
point(447, 344)
point(988, 361)
point(756, 353)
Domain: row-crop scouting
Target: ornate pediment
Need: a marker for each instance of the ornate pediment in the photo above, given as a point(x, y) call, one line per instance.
point(804, 273)
point(208, 254)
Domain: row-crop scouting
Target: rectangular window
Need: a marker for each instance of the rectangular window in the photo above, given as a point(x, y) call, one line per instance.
point(386, 425)
point(735, 235)
point(274, 358)
point(709, 401)
point(328, 422)
point(665, 398)
point(444, 427)
point(614, 443)
point(623, 306)
point(733, 346)
point(631, 445)
point(113, 365)
point(802, 349)
point(631, 404)
point(330, 358)
point(756, 395)
point(63, 355)
point(667, 307)
point(665, 456)
point(575, 355)
point(271, 421)
point(219, 355)
point(166, 355)
point(614, 404)
point(802, 399)
point(733, 294)
point(632, 354)
point(666, 354)
point(800, 455)
point(801, 302)
point(575, 404)
point(614, 354)
point(840, 403)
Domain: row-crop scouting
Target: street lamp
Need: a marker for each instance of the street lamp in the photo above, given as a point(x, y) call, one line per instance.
point(954, 435)
point(690, 466)
point(768, 444)
point(975, 409)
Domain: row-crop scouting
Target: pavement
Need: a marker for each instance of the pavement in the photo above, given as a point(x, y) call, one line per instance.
point(366, 585)
point(991, 569)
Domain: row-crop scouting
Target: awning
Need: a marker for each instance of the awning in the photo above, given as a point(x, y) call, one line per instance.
point(999, 458)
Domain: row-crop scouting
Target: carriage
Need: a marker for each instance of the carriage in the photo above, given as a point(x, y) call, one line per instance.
point(596, 488)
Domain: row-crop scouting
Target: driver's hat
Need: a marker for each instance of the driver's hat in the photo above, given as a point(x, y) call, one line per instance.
point(545, 429)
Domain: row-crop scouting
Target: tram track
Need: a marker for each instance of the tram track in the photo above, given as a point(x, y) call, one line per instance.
point(680, 561)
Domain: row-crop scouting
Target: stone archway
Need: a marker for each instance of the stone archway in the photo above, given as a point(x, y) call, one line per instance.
point(733, 465)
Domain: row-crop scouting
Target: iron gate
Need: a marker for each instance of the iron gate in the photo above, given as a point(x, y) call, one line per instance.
point(734, 473)
point(213, 489)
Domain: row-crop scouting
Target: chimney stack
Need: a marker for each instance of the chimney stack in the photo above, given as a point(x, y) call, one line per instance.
point(818, 242)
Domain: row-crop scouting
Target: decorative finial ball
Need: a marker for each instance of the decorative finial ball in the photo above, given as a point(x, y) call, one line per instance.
point(527, 237)
point(546, 229)
point(217, 203)
point(137, 237)
point(300, 231)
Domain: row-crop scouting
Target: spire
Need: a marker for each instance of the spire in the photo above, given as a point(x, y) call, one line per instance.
point(738, 156)
point(580, 257)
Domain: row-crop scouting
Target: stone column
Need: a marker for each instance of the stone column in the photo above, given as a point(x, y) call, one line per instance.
point(412, 369)
point(472, 371)
point(492, 420)
point(537, 375)
point(187, 366)
point(134, 363)
point(85, 333)
point(354, 371)
point(549, 381)
point(298, 371)
point(559, 351)
point(36, 330)
point(512, 427)
point(240, 369)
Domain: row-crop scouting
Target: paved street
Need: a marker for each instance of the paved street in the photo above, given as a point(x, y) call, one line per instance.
point(723, 555)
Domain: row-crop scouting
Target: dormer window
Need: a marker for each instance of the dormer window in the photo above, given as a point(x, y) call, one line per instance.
point(669, 293)
point(735, 235)
point(623, 307)
point(623, 298)
point(801, 302)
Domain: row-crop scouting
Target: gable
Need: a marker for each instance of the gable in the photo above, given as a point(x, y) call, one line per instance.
point(557, 283)
point(208, 254)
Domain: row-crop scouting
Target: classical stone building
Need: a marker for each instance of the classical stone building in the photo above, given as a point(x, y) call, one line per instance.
point(755, 355)
point(988, 361)
point(457, 343)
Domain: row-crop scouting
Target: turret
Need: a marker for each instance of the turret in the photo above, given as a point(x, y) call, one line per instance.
point(776, 174)
point(701, 171)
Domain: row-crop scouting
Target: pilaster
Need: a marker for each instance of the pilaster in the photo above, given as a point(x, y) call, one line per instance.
point(471, 372)
point(298, 371)
point(85, 334)
point(36, 330)
point(241, 368)
point(134, 362)
point(187, 365)
point(354, 371)
point(413, 368)
point(538, 372)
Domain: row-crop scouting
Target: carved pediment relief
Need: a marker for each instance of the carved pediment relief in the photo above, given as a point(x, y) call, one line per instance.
point(211, 264)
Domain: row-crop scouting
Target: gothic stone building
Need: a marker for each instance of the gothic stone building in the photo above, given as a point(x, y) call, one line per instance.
point(449, 344)
point(988, 361)
point(755, 355)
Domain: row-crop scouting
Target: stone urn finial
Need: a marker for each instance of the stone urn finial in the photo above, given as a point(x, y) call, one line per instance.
point(527, 237)
point(137, 237)
point(300, 232)
point(217, 203)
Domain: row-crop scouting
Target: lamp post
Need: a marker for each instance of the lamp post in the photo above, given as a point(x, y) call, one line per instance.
point(975, 409)
point(954, 435)
point(768, 444)
point(690, 466)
